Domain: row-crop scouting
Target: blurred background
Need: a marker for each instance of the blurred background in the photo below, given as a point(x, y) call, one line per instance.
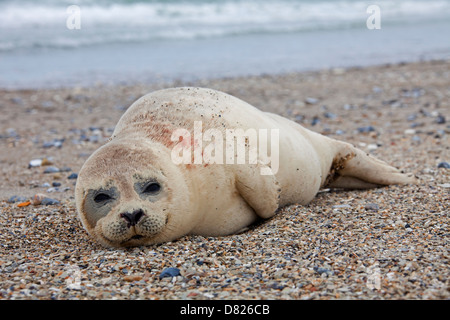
point(42, 44)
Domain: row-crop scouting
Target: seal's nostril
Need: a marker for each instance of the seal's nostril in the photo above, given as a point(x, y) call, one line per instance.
point(133, 217)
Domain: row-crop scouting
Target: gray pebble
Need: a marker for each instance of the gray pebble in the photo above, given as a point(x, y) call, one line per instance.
point(440, 119)
point(17, 100)
point(320, 270)
point(330, 115)
point(341, 206)
point(47, 104)
point(372, 207)
point(15, 199)
point(51, 170)
point(311, 100)
point(49, 201)
point(169, 272)
point(11, 133)
point(445, 165)
point(377, 90)
point(315, 121)
point(366, 129)
point(57, 143)
point(94, 139)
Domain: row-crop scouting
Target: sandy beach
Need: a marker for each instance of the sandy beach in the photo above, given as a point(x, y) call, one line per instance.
point(387, 243)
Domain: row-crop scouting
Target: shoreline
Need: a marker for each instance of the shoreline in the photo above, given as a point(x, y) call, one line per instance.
point(328, 249)
point(174, 82)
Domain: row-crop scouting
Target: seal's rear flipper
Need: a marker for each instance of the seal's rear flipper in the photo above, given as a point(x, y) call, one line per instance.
point(352, 168)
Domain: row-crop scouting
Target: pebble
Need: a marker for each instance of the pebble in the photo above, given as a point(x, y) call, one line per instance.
point(440, 119)
point(73, 176)
point(37, 199)
point(15, 199)
point(169, 272)
point(445, 165)
point(330, 115)
point(315, 121)
point(35, 163)
point(51, 170)
point(372, 207)
point(11, 133)
point(377, 90)
point(341, 206)
point(57, 143)
point(366, 129)
point(49, 201)
point(311, 100)
point(323, 270)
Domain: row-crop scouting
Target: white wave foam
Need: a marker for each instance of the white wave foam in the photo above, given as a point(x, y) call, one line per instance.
point(140, 21)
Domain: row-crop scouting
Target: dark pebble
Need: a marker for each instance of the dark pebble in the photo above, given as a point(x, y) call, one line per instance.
point(445, 165)
point(49, 201)
point(14, 199)
point(407, 226)
point(73, 176)
point(330, 115)
point(366, 129)
point(56, 184)
point(440, 119)
point(169, 272)
point(315, 121)
point(199, 262)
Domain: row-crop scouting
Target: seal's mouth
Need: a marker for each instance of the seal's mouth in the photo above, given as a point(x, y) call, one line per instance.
point(137, 237)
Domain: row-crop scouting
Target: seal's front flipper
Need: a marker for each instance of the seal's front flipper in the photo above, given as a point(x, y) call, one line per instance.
point(261, 192)
point(352, 168)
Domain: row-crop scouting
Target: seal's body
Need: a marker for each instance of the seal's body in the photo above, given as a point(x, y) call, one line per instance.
point(170, 170)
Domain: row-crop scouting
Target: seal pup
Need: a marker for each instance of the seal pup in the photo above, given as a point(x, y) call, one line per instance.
point(167, 171)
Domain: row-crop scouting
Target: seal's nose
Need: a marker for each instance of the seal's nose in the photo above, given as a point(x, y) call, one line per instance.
point(133, 217)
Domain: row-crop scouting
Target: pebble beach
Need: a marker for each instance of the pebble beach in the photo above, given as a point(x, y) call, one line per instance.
point(387, 243)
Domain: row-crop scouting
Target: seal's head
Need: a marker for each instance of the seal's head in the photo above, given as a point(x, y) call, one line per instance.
point(130, 193)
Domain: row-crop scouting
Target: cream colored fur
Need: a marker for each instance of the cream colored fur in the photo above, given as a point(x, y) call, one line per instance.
point(208, 199)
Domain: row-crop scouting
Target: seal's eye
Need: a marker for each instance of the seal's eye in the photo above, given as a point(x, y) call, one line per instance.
point(152, 188)
point(102, 197)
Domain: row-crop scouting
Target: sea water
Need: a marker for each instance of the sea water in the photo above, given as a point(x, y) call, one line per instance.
point(52, 43)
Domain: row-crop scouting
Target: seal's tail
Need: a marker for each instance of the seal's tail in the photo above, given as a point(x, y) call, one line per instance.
point(352, 168)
